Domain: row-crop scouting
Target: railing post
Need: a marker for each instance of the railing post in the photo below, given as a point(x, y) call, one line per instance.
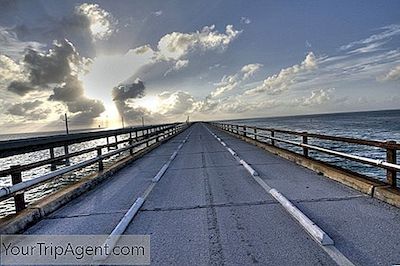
point(53, 164)
point(66, 152)
point(130, 142)
point(116, 140)
point(255, 133)
point(305, 141)
point(19, 198)
point(244, 131)
point(391, 175)
point(108, 144)
point(237, 129)
point(101, 165)
point(272, 135)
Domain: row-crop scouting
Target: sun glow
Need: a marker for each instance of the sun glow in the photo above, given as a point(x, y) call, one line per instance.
point(151, 103)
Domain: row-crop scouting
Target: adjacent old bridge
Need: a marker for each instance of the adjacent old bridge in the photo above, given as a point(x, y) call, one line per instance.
point(208, 195)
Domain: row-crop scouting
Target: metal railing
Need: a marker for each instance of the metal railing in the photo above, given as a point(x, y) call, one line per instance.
point(138, 136)
point(262, 134)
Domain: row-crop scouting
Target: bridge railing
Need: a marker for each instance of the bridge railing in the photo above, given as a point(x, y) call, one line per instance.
point(138, 137)
point(268, 136)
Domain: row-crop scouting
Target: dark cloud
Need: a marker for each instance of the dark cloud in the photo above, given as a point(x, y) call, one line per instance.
point(21, 88)
point(29, 110)
point(70, 91)
point(54, 67)
point(128, 91)
point(122, 93)
point(58, 69)
point(83, 109)
point(46, 69)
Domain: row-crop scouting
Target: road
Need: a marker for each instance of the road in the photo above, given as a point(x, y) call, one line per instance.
point(207, 209)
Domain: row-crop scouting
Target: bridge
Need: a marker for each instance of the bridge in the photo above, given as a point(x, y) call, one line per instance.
point(220, 194)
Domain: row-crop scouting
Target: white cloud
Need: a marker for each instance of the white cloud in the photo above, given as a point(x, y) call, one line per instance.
point(393, 74)
point(245, 20)
point(175, 45)
point(227, 83)
point(317, 97)
point(102, 23)
point(250, 69)
point(181, 64)
point(381, 38)
point(157, 13)
point(230, 82)
point(280, 82)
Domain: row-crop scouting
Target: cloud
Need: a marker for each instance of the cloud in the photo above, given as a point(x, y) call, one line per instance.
point(29, 110)
point(177, 66)
point(57, 69)
point(250, 69)
point(245, 20)
point(393, 74)
point(20, 87)
point(374, 40)
point(227, 83)
point(175, 45)
point(44, 69)
point(11, 46)
point(128, 91)
point(157, 13)
point(121, 96)
point(176, 103)
point(101, 23)
point(231, 82)
point(317, 97)
point(278, 83)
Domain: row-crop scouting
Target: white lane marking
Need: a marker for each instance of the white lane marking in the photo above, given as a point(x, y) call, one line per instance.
point(249, 168)
point(314, 230)
point(113, 238)
point(232, 152)
point(322, 238)
point(337, 256)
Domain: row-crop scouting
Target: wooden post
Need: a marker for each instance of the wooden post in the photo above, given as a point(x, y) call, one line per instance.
point(136, 136)
point(101, 165)
point(237, 129)
point(19, 198)
point(305, 141)
point(255, 133)
point(272, 135)
point(116, 140)
point(108, 144)
point(244, 131)
point(66, 152)
point(391, 175)
point(53, 166)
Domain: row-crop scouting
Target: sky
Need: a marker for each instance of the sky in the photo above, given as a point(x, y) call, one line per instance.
point(101, 61)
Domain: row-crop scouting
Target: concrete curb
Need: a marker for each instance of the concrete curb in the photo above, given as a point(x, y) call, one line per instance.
point(113, 238)
point(249, 168)
point(35, 212)
point(317, 233)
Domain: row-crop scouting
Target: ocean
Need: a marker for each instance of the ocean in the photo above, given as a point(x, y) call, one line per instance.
point(374, 125)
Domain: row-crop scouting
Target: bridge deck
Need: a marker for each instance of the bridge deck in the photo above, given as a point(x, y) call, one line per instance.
point(208, 209)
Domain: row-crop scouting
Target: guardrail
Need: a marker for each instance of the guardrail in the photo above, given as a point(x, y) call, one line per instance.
point(142, 136)
point(264, 134)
